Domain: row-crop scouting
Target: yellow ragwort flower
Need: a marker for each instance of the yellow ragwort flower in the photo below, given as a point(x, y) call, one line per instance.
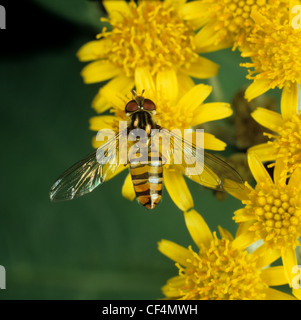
point(285, 143)
point(174, 110)
point(227, 23)
point(272, 212)
point(274, 47)
point(219, 270)
point(153, 34)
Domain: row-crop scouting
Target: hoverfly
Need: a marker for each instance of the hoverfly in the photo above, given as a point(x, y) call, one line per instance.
point(147, 176)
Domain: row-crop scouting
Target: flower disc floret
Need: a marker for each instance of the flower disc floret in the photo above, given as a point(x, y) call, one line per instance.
point(153, 35)
point(220, 273)
point(277, 213)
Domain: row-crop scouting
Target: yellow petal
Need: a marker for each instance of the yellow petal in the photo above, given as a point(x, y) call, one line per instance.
point(102, 122)
point(127, 189)
point(198, 228)
point(258, 17)
point(100, 104)
point(144, 81)
point(202, 68)
point(265, 256)
point(174, 252)
point(207, 178)
point(185, 83)
point(297, 293)
point(272, 294)
point(178, 4)
point(241, 194)
point(211, 111)
point(244, 240)
point(196, 24)
point(171, 289)
point(274, 276)
point(295, 179)
point(194, 97)
point(95, 143)
point(117, 9)
point(176, 281)
point(99, 71)
point(241, 215)
point(94, 50)
point(258, 170)
point(289, 100)
point(207, 141)
point(280, 171)
point(222, 44)
point(212, 143)
point(293, 11)
point(225, 234)
point(167, 85)
point(110, 94)
point(264, 151)
point(243, 227)
point(268, 118)
point(118, 100)
point(210, 39)
point(289, 261)
point(257, 88)
point(177, 188)
point(195, 9)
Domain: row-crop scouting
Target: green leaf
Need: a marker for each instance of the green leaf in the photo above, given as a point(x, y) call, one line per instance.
point(86, 13)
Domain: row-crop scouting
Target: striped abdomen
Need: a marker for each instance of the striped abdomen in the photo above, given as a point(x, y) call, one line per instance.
point(147, 180)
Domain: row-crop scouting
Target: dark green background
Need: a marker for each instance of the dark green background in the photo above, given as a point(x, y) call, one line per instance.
point(100, 246)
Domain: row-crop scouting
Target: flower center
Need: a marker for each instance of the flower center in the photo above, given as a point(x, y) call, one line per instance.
point(153, 35)
point(233, 17)
point(221, 272)
point(275, 50)
point(288, 142)
point(278, 213)
point(172, 118)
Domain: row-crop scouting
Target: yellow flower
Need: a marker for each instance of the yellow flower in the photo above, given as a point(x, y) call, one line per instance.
point(219, 270)
point(272, 212)
point(274, 47)
point(285, 143)
point(153, 34)
point(227, 23)
point(174, 110)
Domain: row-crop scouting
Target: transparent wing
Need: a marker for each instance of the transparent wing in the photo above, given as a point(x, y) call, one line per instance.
point(87, 174)
point(201, 166)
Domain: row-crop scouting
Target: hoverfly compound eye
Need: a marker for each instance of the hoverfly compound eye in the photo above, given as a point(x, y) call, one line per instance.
point(131, 106)
point(149, 105)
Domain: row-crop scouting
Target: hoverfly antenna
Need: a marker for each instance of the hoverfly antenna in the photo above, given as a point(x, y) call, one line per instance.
point(134, 93)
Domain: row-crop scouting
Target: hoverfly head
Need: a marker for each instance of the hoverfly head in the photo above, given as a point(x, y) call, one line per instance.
point(135, 104)
point(143, 103)
point(139, 102)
